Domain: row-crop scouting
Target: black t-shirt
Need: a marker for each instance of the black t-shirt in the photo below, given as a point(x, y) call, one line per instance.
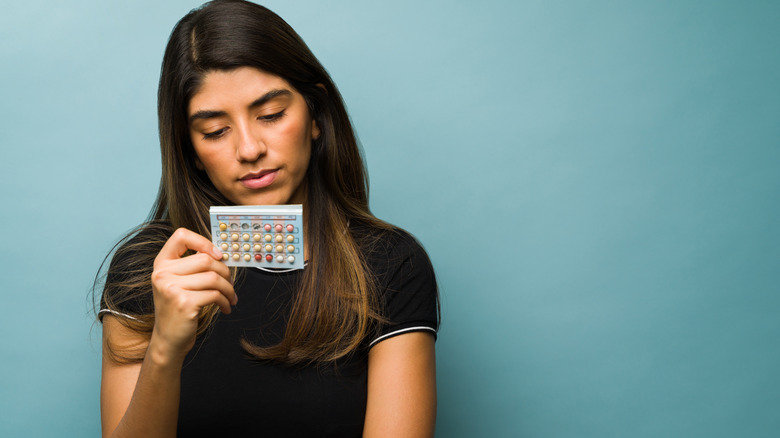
point(224, 392)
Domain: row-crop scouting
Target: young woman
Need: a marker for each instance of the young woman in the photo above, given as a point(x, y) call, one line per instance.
point(344, 347)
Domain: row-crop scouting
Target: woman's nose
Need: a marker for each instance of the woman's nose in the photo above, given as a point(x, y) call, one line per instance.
point(250, 145)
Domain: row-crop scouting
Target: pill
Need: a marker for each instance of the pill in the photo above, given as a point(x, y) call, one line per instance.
point(247, 247)
point(290, 238)
point(223, 236)
point(258, 248)
point(234, 236)
point(269, 257)
point(278, 228)
point(224, 246)
point(268, 237)
point(247, 257)
point(269, 248)
point(291, 259)
point(280, 259)
point(279, 248)
point(267, 227)
point(258, 257)
point(222, 226)
point(236, 256)
point(290, 248)
point(279, 238)
point(290, 228)
point(257, 237)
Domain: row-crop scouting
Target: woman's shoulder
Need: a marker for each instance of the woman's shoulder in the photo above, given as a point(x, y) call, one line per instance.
point(405, 279)
point(138, 248)
point(393, 252)
point(387, 243)
point(127, 287)
point(146, 237)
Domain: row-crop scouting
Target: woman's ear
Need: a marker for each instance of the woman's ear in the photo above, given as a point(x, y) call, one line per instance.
point(315, 130)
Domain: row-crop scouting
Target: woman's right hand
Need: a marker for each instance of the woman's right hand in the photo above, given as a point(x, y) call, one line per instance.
point(182, 286)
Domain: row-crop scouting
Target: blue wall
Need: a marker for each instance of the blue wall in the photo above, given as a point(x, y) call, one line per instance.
point(597, 184)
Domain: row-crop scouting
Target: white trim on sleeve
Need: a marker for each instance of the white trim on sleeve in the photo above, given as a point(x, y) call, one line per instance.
point(403, 330)
point(115, 313)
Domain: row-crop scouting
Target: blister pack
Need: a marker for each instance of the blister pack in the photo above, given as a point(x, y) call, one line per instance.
point(261, 236)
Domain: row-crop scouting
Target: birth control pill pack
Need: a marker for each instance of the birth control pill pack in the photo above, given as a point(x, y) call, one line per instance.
point(261, 236)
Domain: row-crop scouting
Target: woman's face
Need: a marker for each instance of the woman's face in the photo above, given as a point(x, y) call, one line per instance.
point(252, 134)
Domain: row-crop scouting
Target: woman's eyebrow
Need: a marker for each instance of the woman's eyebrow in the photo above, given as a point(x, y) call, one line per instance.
point(270, 95)
point(209, 114)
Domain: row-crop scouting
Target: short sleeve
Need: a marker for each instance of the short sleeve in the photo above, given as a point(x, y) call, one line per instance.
point(408, 288)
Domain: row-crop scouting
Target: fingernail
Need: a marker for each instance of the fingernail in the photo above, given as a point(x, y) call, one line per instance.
point(217, 252)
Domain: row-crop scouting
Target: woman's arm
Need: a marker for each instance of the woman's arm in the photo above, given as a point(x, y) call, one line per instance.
point(402, 387)
point(143, 399)
point(137, 399)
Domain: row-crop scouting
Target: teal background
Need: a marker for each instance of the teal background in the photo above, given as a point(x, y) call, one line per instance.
point(596, 183)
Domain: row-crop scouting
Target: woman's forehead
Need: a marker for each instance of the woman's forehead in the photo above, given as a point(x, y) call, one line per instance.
point(244, 84)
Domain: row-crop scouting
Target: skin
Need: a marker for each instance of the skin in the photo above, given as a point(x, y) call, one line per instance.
point(245, 122)
point(265, 125)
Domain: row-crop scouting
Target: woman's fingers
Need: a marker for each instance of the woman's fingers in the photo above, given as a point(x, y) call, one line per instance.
point(193, 264)
point(197, 272)
point(188, 303)
point(182, 240)
point(207, 281)
point(214, 296)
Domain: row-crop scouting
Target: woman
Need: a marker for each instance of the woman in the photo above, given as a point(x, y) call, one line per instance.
point(344, 347)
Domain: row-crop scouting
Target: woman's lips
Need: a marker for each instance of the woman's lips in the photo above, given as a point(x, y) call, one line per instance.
point(260, 179)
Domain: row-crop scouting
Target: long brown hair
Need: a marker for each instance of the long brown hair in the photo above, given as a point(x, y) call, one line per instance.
point(336, 306)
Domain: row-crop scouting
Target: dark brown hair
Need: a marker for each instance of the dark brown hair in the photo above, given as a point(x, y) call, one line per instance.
point(336, 306)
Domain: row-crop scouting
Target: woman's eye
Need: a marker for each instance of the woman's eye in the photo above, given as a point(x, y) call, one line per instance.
point(272, 117)
point(214, 135)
